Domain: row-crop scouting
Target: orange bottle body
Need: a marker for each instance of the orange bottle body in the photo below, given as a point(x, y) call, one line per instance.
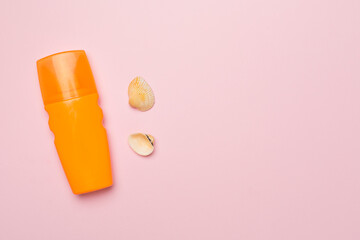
point(81, 143)
point(71, 100)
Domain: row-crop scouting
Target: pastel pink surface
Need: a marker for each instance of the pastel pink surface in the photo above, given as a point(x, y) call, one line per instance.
point(256, 120)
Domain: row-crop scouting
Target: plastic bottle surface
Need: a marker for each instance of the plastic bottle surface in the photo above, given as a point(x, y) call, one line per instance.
point(71, 100)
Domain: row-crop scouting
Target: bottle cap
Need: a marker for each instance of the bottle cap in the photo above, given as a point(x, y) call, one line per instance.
point(64, 76)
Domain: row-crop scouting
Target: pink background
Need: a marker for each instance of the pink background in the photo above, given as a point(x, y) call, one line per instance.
point(257, 119)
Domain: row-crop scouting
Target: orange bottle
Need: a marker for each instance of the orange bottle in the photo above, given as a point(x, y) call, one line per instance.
point(70, 97)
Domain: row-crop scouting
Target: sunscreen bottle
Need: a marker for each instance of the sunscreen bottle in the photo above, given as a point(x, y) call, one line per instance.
point(70, 97)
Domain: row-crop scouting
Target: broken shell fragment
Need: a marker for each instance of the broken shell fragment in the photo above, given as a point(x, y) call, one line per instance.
point(142, 144)
point(140, 94)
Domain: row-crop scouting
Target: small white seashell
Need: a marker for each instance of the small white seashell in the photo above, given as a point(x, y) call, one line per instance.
point(142, 144)
point(140, 94)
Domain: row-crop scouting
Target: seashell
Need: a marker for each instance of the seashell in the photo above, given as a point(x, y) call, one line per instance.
point(142, 144)
point(140, 94)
